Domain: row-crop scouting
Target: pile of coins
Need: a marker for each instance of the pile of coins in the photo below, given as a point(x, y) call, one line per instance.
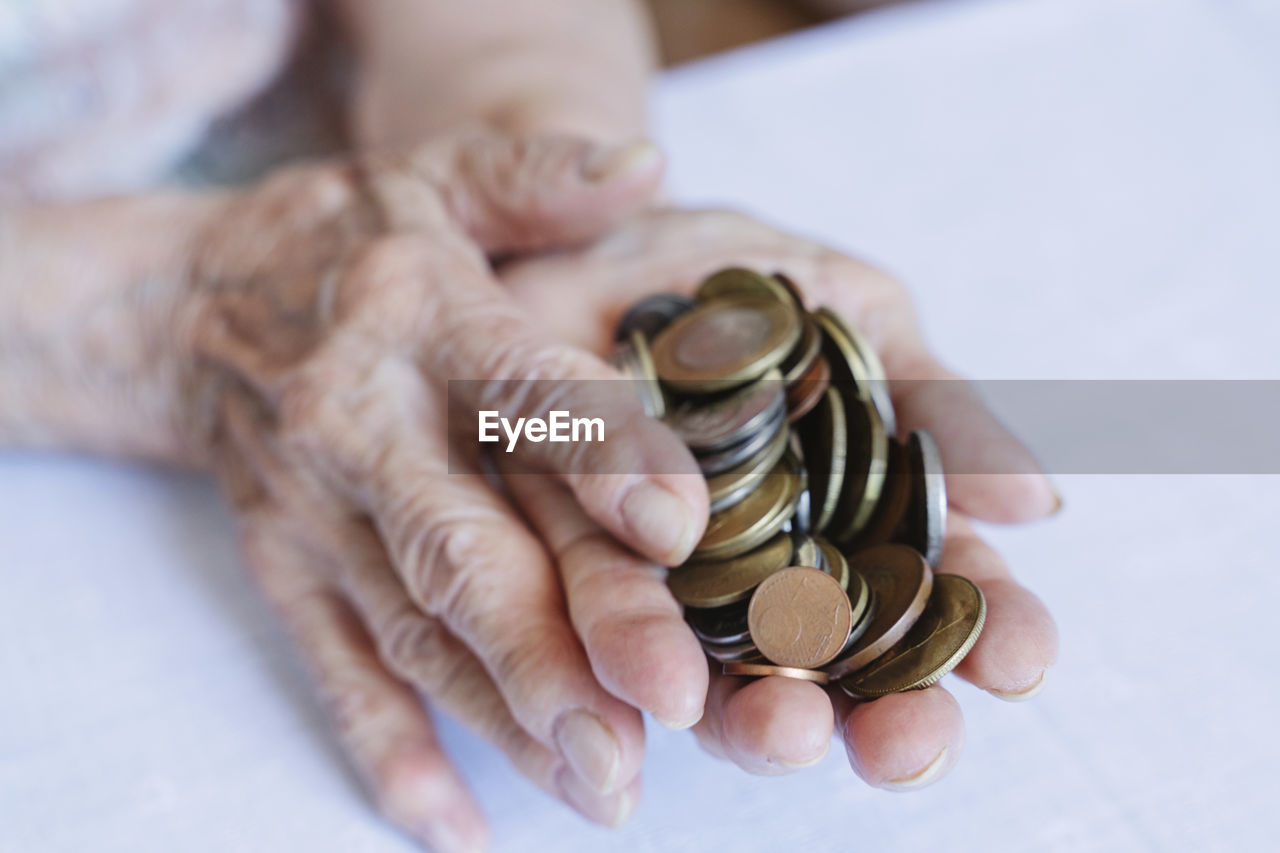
point(818, 559)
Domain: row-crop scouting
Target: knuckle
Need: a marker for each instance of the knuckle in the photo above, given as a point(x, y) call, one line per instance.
point(411, 646)
point(445, 559)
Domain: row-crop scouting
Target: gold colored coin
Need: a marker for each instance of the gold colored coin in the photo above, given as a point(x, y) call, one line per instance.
point(762, 669)
point(824, 436)
point(865, 467)
point(754, 519)
point(900, 581)
point(714, 584)
point(801, 359)
point(854, 362)
point(791, 287)
point(838, 568)
point(650, 391)
point(939, 640)
point(725, 342)
point(890, 514)
point(799, 617)
point(738, 281)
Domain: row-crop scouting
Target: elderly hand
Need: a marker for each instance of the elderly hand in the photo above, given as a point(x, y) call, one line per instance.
point(775, 724)
point(335, 304)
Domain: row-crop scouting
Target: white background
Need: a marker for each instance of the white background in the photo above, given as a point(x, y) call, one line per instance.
point(1073, 189)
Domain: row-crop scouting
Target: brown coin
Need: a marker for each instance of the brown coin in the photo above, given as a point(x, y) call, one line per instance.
point(726, 341)
point(805, 394)
point(714, 584)
point(891, 510)
point(757, 517)
point(732, 486)
point(865, 467)
point(939, 640)
point(824, 437)
point(759, 669)
point(900, 581)
point(738, 281)
point(800, 617)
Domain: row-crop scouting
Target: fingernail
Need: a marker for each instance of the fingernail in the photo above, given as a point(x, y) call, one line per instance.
point(925, 777)
point(800, 765)
point(590, 748)
point(1024, 694)
point(606, 163)
point(659, 519)
point(679, 725)
point(445, 838)
point(611, 811)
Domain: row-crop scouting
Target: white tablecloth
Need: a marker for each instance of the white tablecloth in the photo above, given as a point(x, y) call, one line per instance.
point(1073, 188)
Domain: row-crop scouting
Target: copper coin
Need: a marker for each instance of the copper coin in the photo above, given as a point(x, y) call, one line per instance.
point(707, 426)
point(805, 394)
point(824, 437)
point(756, 518)
point(652, 314)
point(738, 281)
point(724, 342)
point(891, 510)
point(800, 617)
point(926, 519)
point(939, 640)
point(900, 581)
point(865, 467)
point(760, 669)
point(714, 584)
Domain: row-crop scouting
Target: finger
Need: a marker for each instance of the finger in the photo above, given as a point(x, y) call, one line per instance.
point(1019, 641)
point(640, 648)
point(422, 651)
point(513, 194)
point(466, 559)
point(384, 728)
point(767, 726)
point(903, 741)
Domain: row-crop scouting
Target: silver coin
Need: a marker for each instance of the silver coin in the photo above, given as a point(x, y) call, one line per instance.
point(651, 315)
point(723, 460)
point(728, 652)
point(928, 520)
point(708, 426)
point(807, 552)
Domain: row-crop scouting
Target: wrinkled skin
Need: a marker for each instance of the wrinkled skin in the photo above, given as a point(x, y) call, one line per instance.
point(334, 303)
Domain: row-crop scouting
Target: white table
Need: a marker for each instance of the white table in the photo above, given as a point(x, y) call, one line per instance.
point(1074, 189)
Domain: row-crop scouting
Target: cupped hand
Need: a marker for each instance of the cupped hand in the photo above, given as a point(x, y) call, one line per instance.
point(334, 305)
point(774, 724)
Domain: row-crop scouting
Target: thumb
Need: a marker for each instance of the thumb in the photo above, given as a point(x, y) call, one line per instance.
point(519, 194)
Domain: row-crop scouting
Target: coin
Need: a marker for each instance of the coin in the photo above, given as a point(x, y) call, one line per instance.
point(901, 581)
point(939, 640)
point(717, 463)
point(759, 669)
point(854, 362)
point(835, 565)
point(807, 351)
point(725, 342)
point(651, 315)
point(714, 584)
point(926, 522)
point(707, 427)
point(727, 624)
point(744, 651)
point(866, 462)
point(756, 518)
point(799, 617)
point(729, 487)
point(861, 600)
point(794, 291)
point(891, 510)
point(737, 281)
point(650, 391)
point(805, 394)
point(806, 552)
point(824, 436)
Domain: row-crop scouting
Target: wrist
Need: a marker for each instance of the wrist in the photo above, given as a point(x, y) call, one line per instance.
point(95, 320)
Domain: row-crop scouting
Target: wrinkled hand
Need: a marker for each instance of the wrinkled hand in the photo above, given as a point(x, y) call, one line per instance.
point(775, 724)
point(335, 303)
